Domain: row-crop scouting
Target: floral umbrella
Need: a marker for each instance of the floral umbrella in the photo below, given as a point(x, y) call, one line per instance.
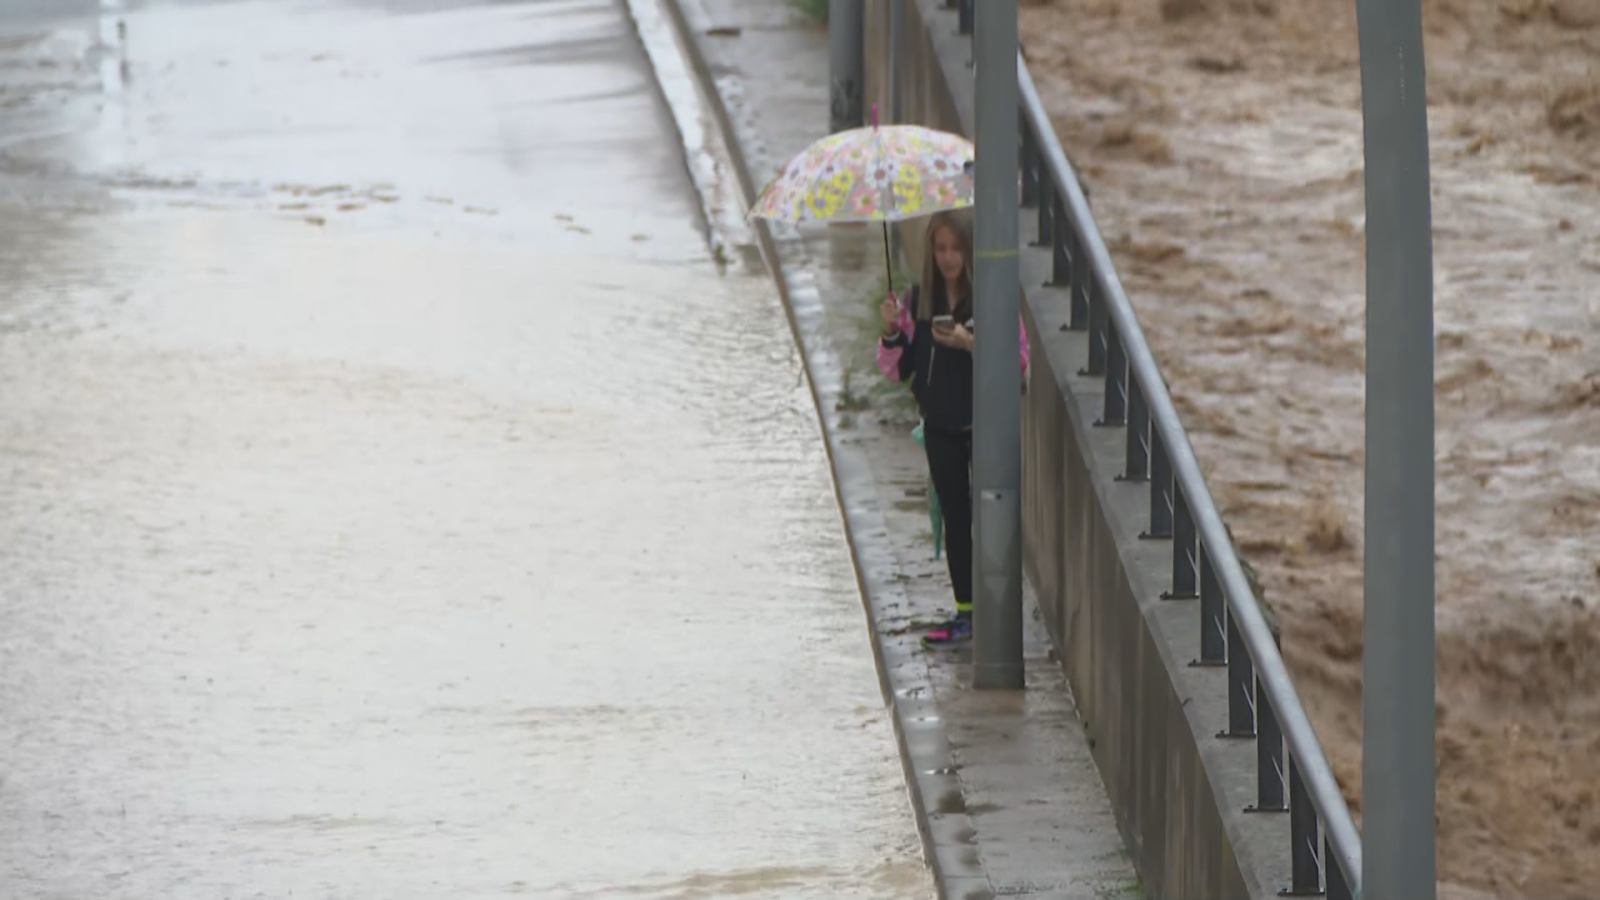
point(875, 174)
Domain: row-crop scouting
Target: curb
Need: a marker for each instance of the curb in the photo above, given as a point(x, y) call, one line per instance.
point(683, 93)
point(947, 832)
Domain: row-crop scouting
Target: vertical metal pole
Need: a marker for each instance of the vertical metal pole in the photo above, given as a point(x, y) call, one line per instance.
point(845, 53)
point(997, 387)
point(897, 58)
point(1398, 776)
point(1046, 226)
point(897, 61)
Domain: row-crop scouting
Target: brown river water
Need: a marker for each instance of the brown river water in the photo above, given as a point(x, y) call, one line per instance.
point(1221, 141)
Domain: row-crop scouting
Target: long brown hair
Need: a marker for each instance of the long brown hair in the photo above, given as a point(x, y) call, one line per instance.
point(932, 295)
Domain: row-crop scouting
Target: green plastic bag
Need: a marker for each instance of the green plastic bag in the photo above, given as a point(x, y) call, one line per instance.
point(934, 512)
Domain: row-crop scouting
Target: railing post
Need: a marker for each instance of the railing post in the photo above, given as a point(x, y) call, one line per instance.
point(1030, 165)
point(1162, 490)
point(1213, 633)
point(1099, 323)
point(1269, 757)
point(1305, 869)
point(1242, 696)
point(1185, 562)
point(1114, 408)
point(1047, 190)
point(1136, 459)
point(1062, 263)
point(1338, 885)
point(1078, 275)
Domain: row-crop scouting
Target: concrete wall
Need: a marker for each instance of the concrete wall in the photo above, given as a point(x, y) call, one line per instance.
point(1178, 790)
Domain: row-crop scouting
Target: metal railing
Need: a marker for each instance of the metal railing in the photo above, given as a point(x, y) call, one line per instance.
point(1324, 845)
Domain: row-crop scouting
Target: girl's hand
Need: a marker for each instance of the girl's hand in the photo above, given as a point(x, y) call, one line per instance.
point(889, 311)
point(956, 336)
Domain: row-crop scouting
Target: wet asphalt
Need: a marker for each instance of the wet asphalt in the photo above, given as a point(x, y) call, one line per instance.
point(397, 499)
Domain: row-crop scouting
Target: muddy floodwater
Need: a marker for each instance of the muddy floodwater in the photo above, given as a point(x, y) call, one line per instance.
point(1222, 143)
point(396, 498)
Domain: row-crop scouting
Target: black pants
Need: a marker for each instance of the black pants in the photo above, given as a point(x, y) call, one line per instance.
point(950, 463)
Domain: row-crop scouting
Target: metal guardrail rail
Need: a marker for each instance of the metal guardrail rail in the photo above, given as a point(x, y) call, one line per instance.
point(1325, 848)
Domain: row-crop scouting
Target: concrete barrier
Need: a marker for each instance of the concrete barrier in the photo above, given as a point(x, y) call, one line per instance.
point(1179, 791)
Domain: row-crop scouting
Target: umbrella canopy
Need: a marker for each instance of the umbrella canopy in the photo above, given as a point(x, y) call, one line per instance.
point(873, 174)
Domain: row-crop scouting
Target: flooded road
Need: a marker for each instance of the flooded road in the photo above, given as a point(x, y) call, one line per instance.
point(395, 499)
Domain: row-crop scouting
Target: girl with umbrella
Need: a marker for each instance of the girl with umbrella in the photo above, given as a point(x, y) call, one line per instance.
point(887, 174)
point(930, 342)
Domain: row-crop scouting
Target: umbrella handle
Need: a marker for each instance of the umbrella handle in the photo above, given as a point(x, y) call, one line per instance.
point(874, 115)
point(888, 265)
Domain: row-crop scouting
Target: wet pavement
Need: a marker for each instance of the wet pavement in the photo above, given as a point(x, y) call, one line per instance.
point(396, 496)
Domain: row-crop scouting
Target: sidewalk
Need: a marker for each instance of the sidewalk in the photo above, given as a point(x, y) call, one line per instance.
point(1005, 791)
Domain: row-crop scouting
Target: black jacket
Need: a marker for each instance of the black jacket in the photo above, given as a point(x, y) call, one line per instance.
point(941, 377)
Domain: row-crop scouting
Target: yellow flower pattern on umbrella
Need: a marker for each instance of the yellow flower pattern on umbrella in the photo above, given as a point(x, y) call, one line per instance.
point(875, 174)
